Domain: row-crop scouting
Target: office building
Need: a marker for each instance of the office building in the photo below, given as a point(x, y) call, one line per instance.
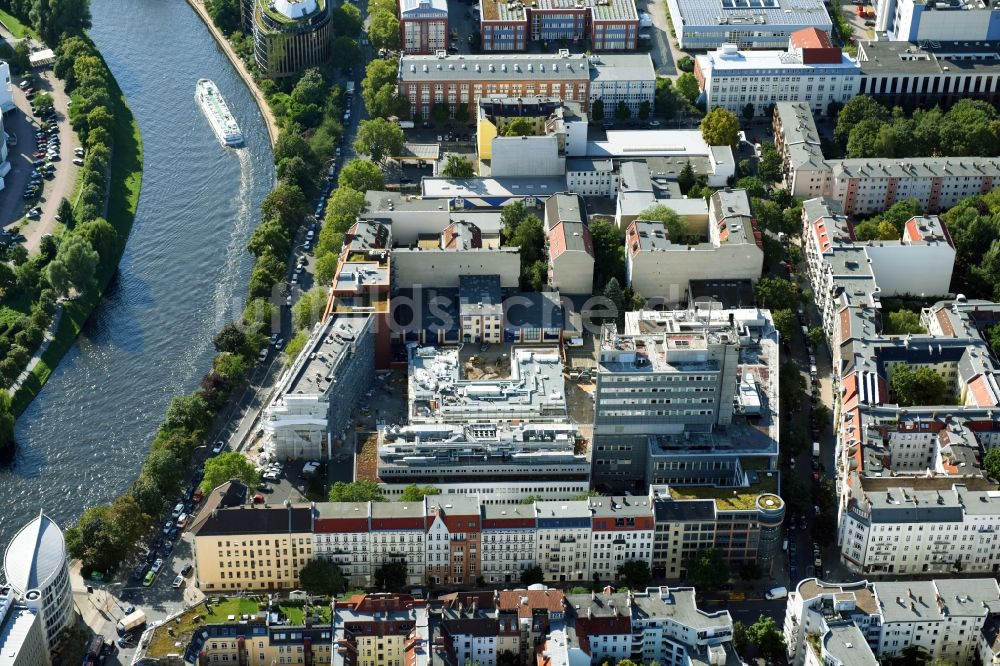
point(498, 463)
point(811, 70)
point(920, 21)
point(659, 267)
point(870, 623)
point(591, 177)
point(22, 636)
point(289, 36)
point(423, 25)
point(628, 79)
point(36, 569)
point(749, 24)
point(678, 397)
point(611, 25)
point(426, 80)
point(438, 393)
point(315, 399)
point(921, 74)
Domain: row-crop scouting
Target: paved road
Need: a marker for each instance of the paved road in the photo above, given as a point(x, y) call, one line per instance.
point(664, 58)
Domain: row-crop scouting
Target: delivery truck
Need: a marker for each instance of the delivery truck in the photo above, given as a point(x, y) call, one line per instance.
point(133, 620)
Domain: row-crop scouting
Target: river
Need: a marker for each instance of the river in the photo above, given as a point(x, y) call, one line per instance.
point(183, 275)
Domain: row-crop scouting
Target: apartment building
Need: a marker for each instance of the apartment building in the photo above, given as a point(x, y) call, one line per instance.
point(253, 548)
point(755, 24)
point(508, 542)
point(638, 191)
point(381, 630)
point(499, 463)
point(460, 250)
point(797, 140)
point(591, 177)
point(609, 25)
point(571, 249)
point(556, 129)
point(563, 540)
point(341, 534)
point(661, 268)
point(811, 70)
point(868, 623)
point(316, 395)
point(397, 534)
point(423, 26)
point(22, 634)
point(674, 376)
point(863, 186)
point(917, 20)
point(921, 73)
point(454, 546)
point(621, 530)
point(289, 36)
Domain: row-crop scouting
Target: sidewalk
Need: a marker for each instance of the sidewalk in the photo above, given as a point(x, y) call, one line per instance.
point(42, 348)
point(265, 110)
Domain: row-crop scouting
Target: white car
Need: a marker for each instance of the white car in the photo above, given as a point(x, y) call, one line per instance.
point(157, 565)
point(178, 581)
point(217, 449)
point(269, 476)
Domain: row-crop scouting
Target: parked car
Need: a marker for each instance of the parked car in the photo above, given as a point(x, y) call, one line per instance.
point(157, 565)
point(178, 581)
point(148, 580)
point(77, 161)
point(186, 571)
point(219, 446)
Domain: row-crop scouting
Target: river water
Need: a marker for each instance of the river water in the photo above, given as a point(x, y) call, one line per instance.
point(183, 275)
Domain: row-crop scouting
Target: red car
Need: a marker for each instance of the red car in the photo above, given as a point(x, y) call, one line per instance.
point(258, 499)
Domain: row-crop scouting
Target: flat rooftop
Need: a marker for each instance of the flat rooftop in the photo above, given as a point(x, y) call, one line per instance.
point(724, 14)
point(315, 371)
point(929, 57)
point(609, 10)
point(438, 392)
point(650, 142)
point(478, 190)
point(494, 66)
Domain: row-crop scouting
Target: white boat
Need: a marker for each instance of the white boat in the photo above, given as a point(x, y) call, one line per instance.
point(218, 113)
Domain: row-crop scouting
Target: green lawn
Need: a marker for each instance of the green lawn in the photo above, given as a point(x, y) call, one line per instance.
point(18, 29)
point(123, 198)
point(296, 614)
point(174, 636)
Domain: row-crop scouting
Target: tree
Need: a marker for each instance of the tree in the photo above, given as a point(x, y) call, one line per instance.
point(270, 237)
point(440, 113)
point(903, 322)
point(517, 127)
point(634, 574)
point(362, 175)
point(390, 577)
point(342, 210)
point(345, 51)
point(511, 218)
point(622, 112)
point(753, 185)
point(379, 139)
point(748, 111)
point(7, 420)
point(324, 267)
point(918, 386)
point(225, 14)
point(784, 323)
point(285, 203)
point(597, 110)
point(816, 337)
point(857, 109)
point(769, 166)
point(686, 178)
point(188, 413)
point(295, 171)
point(416, 493)
point(776, 293)
point(230, 339)
point(321, 577)
point(65, 213)
point(378, 89)
point(614, 293)
point(457, 166)
point(765, 635)
point(720, 127)
point(226, 467)
point(740, 639)
point(750, 571)
point(609, 252)
point(309, 308)
point(52, 18)
point(685, 64)
point(874, 230)
point(347, 20)
point(687, 86)
point(383, 31)
point(991, 461)
point(102, 237)
point(74, 265)
point(676, 229)
point(164, 468)
point(7, 278)
point(356, 491)
point(532, 576)
point(707, 569)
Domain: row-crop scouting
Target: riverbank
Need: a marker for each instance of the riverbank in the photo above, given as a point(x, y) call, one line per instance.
point(123, 200)
point(241, 69)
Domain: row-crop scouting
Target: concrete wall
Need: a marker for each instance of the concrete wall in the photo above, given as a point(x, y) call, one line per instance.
point(442, 268)
point(912, 269)
point(527, 156)
point(668, 274)
point(573, 273)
